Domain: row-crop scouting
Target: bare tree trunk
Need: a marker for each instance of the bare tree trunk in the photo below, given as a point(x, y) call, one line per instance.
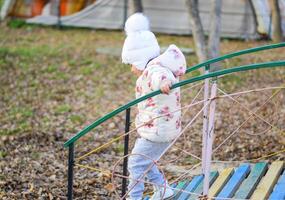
point(197, 30)
point(276, 21)
point(135, 6)
point(215, 32)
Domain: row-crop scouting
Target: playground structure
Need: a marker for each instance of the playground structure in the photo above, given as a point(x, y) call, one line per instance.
point(259, 181)
point(240, 19)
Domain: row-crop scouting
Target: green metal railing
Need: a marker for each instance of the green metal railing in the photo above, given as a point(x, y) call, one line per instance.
point(71, 141)
point(235, 54)
point(191, 80)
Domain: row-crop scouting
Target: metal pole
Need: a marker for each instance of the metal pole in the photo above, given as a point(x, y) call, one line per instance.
point(70, 171)
point(58, 14)
point(205, 119)
point(210, 138)
point(126, 151)
point(125, 15)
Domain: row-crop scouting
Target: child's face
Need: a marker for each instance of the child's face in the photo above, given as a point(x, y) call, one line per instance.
point(136, 71)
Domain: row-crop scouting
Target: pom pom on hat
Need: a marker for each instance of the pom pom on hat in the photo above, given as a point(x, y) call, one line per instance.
point(139, 48)
point(141, 45)
point(137, 22)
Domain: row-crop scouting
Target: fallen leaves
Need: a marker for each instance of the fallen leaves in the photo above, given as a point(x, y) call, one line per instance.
point(48, 94)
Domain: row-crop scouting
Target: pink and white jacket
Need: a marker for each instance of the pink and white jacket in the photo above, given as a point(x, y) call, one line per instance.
point(166, 67)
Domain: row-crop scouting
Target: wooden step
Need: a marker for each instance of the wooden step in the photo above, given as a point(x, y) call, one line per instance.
point(232, 185)
point(180, 186)
point(213, 176)
point(218, 185)
point(190, 187)
point(248, 186)
point(267, 183)
point(279, 189)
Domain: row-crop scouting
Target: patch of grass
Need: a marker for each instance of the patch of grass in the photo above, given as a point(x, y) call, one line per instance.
point(34, 83)
point(75, 63)
point(23, 126)
point(231, 81)
point(86, 62)
point(191, 160)
point(57, 97)
point(3, 154)
point(3, 51)
point(35, 155)
point(61, 109)
point(61, 76)
point(63, 91)
point(50, 69)
point(195, 73)
point(24, 66)
point(28, 53)
point(16, 23)
point(77, 119)
point(21, 112)
point(119, 148)
point(2, 62)
point(96, 65)
point(87, 70)
point(3, 54)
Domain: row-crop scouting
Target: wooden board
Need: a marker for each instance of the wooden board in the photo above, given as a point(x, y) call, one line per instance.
point(232, 185)
point(248, 186)
point(279, 189)
point(199, 190)
point(220, 182)
point(190, 187)
point(268, 181)
point(262, 183)
point(180, 186)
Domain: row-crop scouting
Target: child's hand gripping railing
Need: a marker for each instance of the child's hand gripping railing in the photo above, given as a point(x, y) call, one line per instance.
point(206, 76)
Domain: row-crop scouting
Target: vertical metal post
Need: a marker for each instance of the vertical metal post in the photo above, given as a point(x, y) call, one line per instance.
point(205, 119)
point(126, 151)
point(125, 15)
point(270, 26)
point(70, 171)
point(210, 138)
point(58, 14)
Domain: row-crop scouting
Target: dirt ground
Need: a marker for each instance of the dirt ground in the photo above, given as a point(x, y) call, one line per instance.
point(54, 83)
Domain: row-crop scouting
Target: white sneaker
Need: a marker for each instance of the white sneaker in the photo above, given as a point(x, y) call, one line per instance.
point(159, 193)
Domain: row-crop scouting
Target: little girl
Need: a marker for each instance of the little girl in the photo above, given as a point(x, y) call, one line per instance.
point(154, 72)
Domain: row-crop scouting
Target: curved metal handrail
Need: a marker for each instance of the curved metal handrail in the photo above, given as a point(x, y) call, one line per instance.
point(182, 83)
point(235, 54)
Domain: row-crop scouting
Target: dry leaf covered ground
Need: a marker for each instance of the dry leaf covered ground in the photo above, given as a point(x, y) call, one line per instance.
point(53, 83)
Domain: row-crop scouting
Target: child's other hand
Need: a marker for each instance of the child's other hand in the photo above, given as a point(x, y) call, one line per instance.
point(165, 87)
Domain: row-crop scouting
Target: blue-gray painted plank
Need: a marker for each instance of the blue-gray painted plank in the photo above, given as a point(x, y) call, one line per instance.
point(180, 186)
point(247, 187)
point(279, 189)
point(190, 187)
point(234, 182)
point(213, 176)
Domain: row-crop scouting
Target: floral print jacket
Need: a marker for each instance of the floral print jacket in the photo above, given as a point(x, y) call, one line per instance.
point(159, 117)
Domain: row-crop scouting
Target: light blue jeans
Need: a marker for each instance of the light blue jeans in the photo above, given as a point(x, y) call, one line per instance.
point(137, 165)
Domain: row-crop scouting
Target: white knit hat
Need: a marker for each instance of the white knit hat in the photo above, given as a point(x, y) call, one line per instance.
point(141, 45)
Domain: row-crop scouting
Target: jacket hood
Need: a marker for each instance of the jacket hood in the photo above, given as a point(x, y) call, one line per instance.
point(173, 59)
